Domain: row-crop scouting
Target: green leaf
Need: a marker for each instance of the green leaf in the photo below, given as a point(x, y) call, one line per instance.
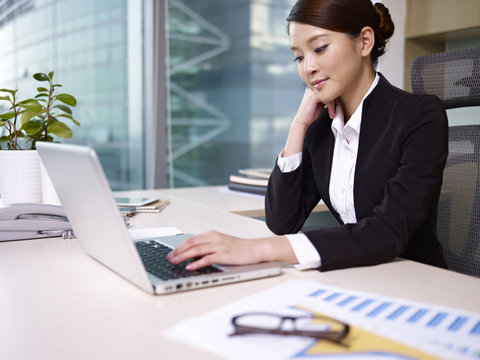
point(67, 99)
point(65, 116)
point(13, 92)
point(50, 75)
point(4, 98)
point(42, 89)
point(41, 95)
point(41, 77)
point(64, 108)
point(60, 129)
point(7, 115)
point(27, 116)
point(32, 127)
point(31, 105)
point(69, 117)
point(3, 122)
point(56, 85)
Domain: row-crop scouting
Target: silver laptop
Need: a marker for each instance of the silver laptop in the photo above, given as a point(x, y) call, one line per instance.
point(85, 194)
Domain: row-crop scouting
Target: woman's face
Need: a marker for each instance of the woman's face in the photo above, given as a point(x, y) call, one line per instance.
point(330, 63)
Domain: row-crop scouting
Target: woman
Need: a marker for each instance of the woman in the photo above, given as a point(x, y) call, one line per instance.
point(373, 153)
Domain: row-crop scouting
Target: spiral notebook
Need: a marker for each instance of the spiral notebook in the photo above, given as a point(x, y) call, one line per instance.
point(143, 205)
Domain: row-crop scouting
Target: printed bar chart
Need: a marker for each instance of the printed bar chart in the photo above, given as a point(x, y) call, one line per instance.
point(443, 331)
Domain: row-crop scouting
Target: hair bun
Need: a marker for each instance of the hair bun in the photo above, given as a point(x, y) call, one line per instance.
point(384, 29)
point(384, 21)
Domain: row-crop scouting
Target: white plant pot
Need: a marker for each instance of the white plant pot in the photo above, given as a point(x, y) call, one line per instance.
point(20, 179)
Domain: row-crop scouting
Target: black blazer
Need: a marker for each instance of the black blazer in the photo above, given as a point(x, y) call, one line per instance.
point(402, 151)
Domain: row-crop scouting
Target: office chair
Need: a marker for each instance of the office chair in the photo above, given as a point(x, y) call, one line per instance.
point(454, 77)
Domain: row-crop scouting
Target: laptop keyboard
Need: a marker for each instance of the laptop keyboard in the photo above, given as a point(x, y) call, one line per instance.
point(154, 258)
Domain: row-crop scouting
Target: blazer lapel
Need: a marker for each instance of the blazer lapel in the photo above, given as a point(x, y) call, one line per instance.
point(370, 157)
point(323, 175)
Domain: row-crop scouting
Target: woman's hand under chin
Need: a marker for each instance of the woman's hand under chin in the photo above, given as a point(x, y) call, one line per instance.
point(311, 107)
point(308, 111)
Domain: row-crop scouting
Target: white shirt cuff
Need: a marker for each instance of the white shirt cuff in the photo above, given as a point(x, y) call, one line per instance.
point(289, 163)
point(307, 256)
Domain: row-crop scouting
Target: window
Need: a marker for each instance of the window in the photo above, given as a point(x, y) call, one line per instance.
point(89, 44)
point(232, 88)
point(230, 93)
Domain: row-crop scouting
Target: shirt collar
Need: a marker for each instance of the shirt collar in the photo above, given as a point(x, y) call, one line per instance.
point(338, 122)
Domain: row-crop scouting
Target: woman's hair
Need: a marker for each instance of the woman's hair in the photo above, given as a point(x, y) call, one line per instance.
point(346, 16)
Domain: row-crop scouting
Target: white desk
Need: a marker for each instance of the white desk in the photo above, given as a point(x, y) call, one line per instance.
point(58, 303)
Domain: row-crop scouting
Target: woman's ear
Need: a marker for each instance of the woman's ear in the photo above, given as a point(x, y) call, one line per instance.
point(367, 40)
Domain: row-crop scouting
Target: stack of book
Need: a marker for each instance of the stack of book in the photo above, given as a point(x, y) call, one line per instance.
point(253, 181)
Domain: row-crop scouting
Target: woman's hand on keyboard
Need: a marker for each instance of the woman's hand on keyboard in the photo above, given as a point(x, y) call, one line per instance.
point(213, 247)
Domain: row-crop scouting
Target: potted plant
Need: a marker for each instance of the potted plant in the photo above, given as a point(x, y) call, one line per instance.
point(21, 126)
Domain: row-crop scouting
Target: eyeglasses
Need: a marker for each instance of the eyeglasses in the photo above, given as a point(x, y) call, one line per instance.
point(315, 326)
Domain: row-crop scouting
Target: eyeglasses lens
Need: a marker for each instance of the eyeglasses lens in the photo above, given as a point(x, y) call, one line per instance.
point(262, 321)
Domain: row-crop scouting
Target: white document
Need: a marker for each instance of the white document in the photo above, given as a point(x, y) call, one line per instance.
point(211, 331)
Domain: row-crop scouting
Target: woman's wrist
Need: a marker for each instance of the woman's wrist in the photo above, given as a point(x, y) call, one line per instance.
point(276, 248)
point(295, 138)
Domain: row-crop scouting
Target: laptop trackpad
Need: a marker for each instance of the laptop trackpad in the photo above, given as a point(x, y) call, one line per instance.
point(174, 240)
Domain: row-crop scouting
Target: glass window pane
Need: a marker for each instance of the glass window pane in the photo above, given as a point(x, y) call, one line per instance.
point(86, 44)
point(233, 87)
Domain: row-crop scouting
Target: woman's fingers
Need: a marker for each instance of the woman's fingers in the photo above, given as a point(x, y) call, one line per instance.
point(198, 246)
point(202, 262)
point(191, 253)
point(331, 109)
point(190, 248)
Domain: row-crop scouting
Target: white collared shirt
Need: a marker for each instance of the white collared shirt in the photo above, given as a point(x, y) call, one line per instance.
point(341, 178)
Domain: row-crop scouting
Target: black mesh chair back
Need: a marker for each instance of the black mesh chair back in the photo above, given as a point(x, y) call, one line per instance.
point(455, 78)
point(459, 208)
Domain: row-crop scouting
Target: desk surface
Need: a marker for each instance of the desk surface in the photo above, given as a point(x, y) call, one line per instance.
point(218, 197)
point(58, 303)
